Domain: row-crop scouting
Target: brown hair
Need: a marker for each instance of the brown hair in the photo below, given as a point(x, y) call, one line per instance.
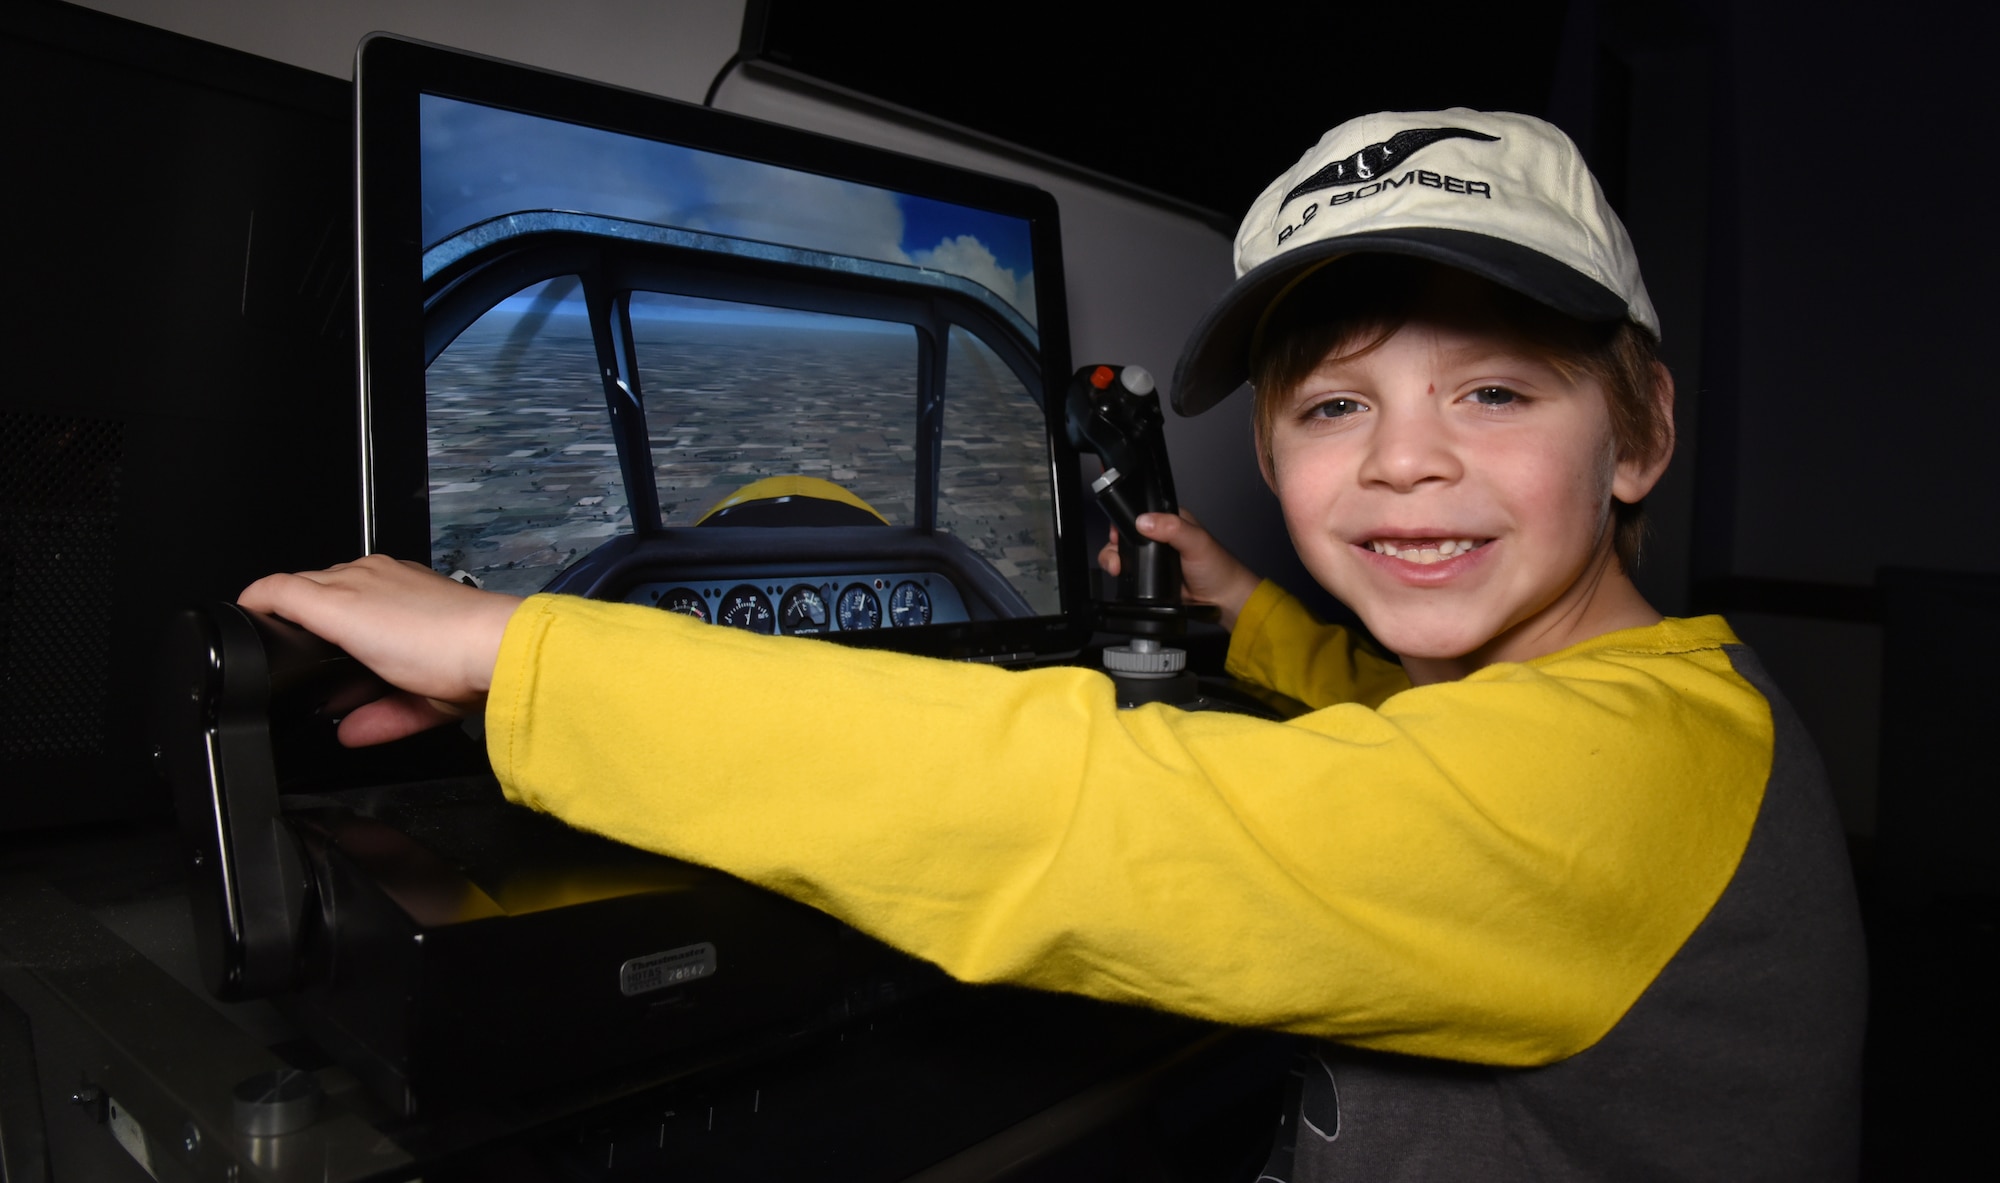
point(1350, 307)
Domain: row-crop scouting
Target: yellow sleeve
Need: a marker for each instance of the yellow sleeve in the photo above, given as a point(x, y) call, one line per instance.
point(1489, 870)
point(1277, 643)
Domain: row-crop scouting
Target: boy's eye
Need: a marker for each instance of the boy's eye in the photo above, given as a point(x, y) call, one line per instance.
point(1334, 408)
point(1493, 396)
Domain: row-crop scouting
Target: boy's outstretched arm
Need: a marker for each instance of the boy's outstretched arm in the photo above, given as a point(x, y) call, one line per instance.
point(435, 640)
point(1209, 573)
point(1389, 877)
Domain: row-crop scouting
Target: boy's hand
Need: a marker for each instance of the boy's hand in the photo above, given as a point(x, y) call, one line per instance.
point(433, 639)
point(1209, 573)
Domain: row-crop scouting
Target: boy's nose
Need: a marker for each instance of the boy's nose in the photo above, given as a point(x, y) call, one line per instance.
point(1408, 449)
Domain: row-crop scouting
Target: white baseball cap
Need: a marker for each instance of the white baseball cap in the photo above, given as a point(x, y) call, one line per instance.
point(1506, 197)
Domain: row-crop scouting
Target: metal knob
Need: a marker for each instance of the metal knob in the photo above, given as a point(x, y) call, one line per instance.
point(1145, 657)
point(273, 1103)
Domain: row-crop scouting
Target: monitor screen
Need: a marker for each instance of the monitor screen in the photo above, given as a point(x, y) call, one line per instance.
point(623, 347)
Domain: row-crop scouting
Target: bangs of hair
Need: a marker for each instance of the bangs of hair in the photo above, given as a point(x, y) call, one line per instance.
point(1349, 307)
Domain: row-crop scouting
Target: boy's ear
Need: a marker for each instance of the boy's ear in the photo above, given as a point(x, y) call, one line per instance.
point(1638, 474)
point(1264, 466)
point(1262, 447)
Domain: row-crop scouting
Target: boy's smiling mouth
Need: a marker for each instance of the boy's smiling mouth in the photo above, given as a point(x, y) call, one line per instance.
point(1424, 551)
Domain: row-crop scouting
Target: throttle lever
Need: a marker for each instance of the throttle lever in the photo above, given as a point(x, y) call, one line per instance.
point(232, 685)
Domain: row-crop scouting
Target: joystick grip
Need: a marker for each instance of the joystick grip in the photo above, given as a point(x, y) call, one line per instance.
point(1115, 413)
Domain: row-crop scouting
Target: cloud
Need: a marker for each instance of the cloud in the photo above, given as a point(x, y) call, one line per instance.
point(748, 199)
point(480, 162)
point(966, 256)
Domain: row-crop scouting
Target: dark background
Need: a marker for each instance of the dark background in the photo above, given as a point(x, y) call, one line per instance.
point(177, 415)
point(1145, 97)
point(1809, 186)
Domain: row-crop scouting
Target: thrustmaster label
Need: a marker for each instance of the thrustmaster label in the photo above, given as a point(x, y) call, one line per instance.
point(657, 971)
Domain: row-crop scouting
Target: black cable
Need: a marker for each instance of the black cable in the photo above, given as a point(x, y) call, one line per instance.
point(735, 60)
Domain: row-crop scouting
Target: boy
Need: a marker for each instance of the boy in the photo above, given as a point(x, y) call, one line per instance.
point(1563, 895)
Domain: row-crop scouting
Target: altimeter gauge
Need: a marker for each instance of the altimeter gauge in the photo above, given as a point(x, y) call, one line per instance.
point(858, 608)
point(909, 604)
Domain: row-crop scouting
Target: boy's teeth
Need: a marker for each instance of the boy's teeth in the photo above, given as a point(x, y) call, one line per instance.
point(1434, 552)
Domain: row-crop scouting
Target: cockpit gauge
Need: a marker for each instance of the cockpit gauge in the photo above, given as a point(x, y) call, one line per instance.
point(909, 604)
point(857, 608)
point(747, 608)
point(802, 611)
point(687, 602)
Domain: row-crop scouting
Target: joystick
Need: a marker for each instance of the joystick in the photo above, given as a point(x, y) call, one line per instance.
point(1114, 412)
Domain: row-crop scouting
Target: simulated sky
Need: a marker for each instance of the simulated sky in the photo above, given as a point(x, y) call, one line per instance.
point(481, 162)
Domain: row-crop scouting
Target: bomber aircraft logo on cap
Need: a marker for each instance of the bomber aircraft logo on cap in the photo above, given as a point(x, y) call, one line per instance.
point(1371, 161)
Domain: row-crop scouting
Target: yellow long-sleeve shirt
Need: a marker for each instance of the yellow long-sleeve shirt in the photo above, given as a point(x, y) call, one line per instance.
point(1490, 870)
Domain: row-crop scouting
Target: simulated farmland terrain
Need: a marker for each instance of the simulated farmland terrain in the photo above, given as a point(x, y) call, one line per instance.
point(524, 475)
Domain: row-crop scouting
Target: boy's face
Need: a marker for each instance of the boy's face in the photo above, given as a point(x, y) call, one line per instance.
point(1456, 492)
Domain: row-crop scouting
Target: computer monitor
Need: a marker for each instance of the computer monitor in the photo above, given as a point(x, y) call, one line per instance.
point(625, 347)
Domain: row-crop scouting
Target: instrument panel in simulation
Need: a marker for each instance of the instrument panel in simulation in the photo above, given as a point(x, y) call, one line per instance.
point(810, 605)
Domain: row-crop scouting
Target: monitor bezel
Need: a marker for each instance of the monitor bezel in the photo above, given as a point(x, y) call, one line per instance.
point(392, 73)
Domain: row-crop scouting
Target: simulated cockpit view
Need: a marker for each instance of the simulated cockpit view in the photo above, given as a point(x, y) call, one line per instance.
point(787, 351)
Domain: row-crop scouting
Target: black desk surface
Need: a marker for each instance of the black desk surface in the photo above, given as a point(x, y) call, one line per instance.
point(98, 1000)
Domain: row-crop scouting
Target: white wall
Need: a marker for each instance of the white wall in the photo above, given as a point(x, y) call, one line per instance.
point(668, 47)
point(1138, 275)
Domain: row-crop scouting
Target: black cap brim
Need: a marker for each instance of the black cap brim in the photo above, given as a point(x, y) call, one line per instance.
point(1217, 358)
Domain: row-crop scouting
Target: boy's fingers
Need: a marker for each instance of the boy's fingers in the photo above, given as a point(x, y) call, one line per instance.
point(417, 629)
point(1167, 528)
point(393, 717)
point(285, 595)
point(262, 594)
point(1162, 526)
point(313, 600)
point(1107, 556)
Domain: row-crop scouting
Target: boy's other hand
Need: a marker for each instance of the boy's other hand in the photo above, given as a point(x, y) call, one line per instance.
point(435, 640)
point(1209, 573)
